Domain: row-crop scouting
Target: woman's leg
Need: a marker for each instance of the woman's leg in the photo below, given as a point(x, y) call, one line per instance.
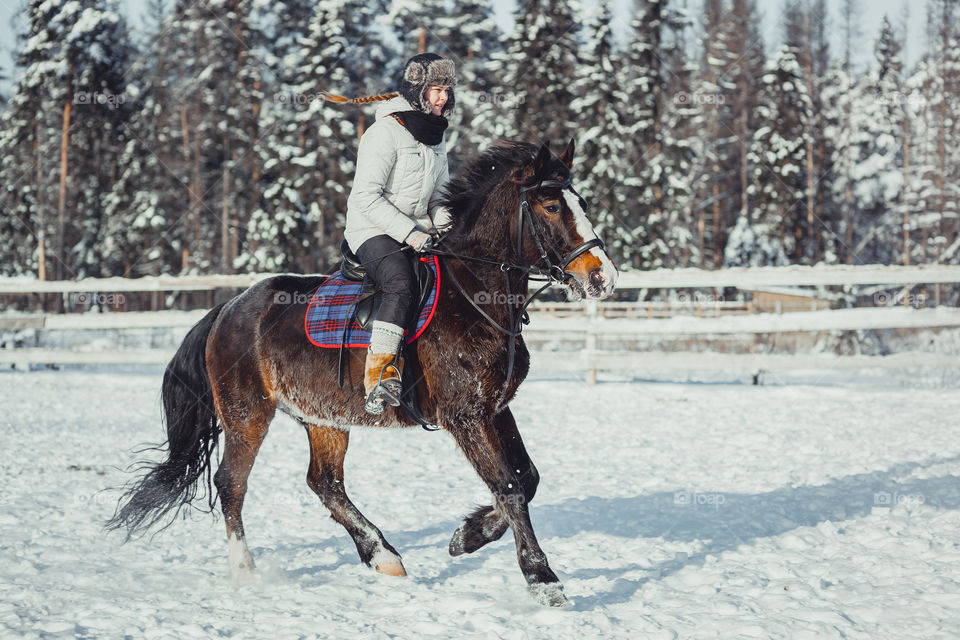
point(391, 270)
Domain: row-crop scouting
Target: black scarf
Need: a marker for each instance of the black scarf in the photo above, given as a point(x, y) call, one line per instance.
point(425, 127)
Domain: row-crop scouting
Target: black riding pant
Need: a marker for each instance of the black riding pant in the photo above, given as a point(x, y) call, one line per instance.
point(392, 270)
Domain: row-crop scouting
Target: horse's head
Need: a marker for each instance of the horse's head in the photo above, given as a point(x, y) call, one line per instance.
point(552, 228)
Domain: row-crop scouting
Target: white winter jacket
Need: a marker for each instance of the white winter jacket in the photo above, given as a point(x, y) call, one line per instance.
point(397, 183)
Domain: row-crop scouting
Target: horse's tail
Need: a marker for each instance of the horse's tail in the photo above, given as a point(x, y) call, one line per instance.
point(192, 436)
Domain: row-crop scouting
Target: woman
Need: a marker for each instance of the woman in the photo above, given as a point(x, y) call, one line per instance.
point(401, 169)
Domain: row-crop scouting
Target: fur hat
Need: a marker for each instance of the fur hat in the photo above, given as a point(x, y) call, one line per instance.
point(424, 70)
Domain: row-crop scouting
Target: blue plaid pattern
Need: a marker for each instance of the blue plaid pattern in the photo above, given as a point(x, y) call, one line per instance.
point(331, 308)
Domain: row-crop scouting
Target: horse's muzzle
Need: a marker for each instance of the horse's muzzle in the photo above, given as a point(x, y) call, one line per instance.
point(592, 276)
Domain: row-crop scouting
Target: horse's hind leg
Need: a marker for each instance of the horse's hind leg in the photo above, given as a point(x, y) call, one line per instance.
point(246, 409)
point(485, 451)
point(231, 481)
point(328, 446)
point(488, 524)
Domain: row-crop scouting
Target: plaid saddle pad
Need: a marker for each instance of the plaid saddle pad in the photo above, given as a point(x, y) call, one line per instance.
point(331, 309)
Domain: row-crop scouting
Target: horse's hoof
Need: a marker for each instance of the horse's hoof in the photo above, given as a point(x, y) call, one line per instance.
point(391, 568)
point(549, 594)
point(456, 542)
point(243, 576)
point(387, 563)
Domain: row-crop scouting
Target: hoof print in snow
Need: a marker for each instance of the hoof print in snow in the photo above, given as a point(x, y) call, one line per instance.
point(549, 595)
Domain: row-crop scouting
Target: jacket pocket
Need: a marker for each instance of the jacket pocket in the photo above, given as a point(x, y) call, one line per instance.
point(408, 165)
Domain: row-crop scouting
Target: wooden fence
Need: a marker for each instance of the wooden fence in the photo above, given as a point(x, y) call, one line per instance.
point(584, 324)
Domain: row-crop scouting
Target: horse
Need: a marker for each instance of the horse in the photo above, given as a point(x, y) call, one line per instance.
point(515, 217)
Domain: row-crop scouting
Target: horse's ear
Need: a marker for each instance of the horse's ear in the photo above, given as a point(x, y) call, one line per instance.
point(567, 156)
point(542, 160)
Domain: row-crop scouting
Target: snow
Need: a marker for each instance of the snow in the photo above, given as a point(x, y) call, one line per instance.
point(817, 507)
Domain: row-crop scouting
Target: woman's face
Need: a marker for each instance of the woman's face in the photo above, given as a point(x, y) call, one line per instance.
point(436, 98)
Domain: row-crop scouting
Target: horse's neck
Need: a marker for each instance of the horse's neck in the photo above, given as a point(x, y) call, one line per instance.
point(487, 285)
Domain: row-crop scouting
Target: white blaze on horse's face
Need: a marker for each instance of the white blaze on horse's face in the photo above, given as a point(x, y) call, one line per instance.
point(593, 274)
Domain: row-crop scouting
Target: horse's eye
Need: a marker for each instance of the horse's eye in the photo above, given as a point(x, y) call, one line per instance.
point(553, 208)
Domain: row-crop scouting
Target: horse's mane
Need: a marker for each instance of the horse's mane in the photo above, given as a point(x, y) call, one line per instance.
point(467, 195)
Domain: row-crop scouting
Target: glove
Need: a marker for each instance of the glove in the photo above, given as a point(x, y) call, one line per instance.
point(421, 241)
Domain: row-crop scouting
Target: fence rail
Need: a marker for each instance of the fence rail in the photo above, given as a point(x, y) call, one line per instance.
point(587, 322)
point(742, 278)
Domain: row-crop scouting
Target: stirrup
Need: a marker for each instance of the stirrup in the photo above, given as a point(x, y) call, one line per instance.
point(386, 392)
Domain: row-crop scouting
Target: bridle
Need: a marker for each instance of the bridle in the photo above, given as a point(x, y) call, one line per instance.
point(553, 273)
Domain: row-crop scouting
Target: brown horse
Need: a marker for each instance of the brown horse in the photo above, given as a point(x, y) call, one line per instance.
point(515, 216)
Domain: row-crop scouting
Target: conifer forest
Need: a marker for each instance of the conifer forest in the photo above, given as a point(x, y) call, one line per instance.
point(199, 144)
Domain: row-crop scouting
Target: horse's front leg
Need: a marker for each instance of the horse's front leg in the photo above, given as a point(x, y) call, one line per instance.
point(488, 524)
point(485, 450)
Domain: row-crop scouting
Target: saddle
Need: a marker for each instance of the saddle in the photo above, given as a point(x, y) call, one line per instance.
point(370, 297)
point(364, 312)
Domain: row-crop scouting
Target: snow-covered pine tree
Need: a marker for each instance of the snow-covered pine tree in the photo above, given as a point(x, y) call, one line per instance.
point(877, 173)
point(416, 24)
point(920, 189)
point(537, 68)
point(290, 23)
point(638, 240)
point(929, 202)
point(61, 134)
point(472, 37)
point(654, 229)
point(132, 239)
point(805, 33)
point(714, 96)
point(945, 238)
point(741, 83)
point(778, 154)
point(681, 142)
point(838, 97)
point(310, 150)
point(603, 156)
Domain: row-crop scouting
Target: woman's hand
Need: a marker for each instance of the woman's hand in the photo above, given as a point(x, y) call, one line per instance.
point(422, 241)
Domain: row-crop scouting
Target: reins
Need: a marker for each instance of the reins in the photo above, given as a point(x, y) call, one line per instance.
point(553, 274)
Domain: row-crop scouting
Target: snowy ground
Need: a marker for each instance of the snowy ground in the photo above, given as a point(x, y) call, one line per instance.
point(808, 508)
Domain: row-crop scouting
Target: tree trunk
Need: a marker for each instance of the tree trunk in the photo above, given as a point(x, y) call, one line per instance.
point(62, 201)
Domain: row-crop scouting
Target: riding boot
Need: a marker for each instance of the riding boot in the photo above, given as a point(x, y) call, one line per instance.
point(381, 381)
